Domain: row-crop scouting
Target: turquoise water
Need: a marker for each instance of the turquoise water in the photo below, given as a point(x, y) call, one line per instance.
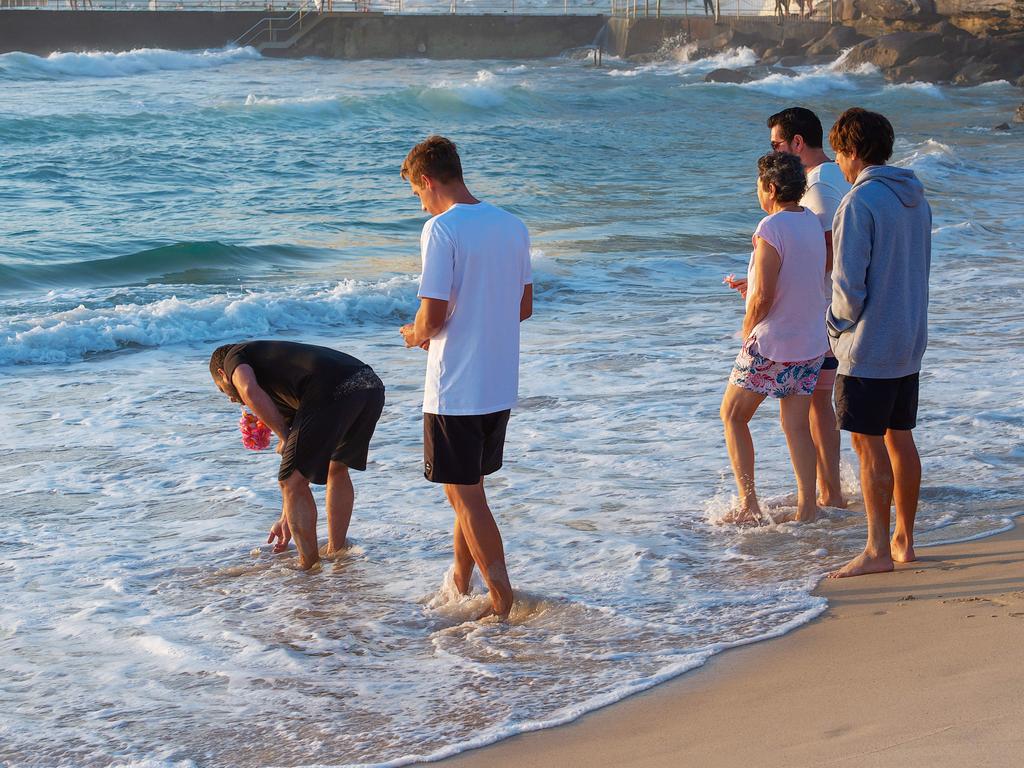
point(159, 203)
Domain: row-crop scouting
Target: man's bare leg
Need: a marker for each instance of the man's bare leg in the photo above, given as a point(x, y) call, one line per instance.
point(906, 470)
point(795, 413)
point(341, 498)
point(300, 511)
point(825, 433)
point(738, 408)
point(481, 535)
point(463, 559)
point(876, 483)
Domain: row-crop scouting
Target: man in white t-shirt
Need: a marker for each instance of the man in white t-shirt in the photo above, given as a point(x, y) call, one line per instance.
point(475, 289)
point(798, 131)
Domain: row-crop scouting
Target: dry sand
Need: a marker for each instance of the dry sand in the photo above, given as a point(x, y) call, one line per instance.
point(923, 667)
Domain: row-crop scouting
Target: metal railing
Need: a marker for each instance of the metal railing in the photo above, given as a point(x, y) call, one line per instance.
point(820, 10)
point(777, 10)
point(271, 28)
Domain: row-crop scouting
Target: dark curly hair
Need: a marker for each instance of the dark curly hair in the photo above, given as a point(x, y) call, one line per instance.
point(436, 157)
point(785, 172)
point(868, 135)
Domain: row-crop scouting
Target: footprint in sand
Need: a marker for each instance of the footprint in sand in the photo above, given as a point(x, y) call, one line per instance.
point(976, 600)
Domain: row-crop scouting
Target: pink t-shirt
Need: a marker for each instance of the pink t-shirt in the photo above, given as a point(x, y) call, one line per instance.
point(794, 328)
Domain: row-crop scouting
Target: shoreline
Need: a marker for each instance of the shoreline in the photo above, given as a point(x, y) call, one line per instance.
point(920, 667)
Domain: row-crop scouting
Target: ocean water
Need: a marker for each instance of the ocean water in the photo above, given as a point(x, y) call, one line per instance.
point(159, 203)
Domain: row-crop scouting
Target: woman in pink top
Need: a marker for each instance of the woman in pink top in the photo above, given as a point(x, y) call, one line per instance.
point(784, 341)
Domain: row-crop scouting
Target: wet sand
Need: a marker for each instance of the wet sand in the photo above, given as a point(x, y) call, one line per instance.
point(919, 668)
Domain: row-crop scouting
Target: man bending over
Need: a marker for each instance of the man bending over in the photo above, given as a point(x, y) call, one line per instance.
point(323, 405)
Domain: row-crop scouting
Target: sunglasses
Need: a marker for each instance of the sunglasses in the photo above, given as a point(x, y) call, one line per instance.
point(776, 145)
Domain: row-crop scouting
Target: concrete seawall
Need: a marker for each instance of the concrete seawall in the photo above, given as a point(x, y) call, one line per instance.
point(43, 32)
point(340, 35)
point(368, 36)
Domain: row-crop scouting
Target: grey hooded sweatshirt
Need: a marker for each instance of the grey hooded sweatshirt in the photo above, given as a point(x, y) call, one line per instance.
point(882, 236)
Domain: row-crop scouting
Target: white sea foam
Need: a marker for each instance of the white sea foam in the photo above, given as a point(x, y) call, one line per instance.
point(295, 103)
point(728, 59)
point(680, 63)
point(840, 65)
point(931, 157)
point(815, 81)
point(482, 92)
point(118, 64)
point(928, 89)
point(57, 337)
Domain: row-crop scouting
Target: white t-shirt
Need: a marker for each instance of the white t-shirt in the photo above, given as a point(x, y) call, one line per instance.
point(826, 187)
point(477, 258)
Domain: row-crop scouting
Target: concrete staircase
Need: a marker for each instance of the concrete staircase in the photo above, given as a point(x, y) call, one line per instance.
point(281, 32)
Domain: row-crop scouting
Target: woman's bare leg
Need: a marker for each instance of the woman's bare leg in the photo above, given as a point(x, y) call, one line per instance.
point(738, 408)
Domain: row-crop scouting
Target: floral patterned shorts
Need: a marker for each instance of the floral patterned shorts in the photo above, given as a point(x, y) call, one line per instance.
point(767, 377)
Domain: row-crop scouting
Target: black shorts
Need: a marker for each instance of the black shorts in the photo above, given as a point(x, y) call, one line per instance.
point(459, 450)
point(334, 422)
point(871, 406)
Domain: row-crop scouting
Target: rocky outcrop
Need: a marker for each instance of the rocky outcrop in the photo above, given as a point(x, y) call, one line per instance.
point(1019, 116)
point(895, 50)
point(746, 74)
point(728, 38)
point(942, 53)
point(727, 76)
point(835, 41)
point(924, 69)
point(895, 9)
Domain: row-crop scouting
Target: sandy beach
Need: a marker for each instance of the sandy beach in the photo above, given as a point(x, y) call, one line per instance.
point(922, 667)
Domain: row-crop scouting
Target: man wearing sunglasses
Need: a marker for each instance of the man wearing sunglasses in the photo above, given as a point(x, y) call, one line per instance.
point(797, 131)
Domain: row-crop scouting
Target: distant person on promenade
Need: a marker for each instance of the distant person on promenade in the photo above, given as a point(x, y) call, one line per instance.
point(784, 341)
point(475, 289)
point(709, 7)
point(798, 131)
point(878, 322)
point(323, 405)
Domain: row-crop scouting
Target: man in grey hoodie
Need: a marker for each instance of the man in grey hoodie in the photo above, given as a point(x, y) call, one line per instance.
point(878, 323)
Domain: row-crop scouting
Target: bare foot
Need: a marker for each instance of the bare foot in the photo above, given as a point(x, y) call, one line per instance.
point(462, 583)
point(327, 552)
point(808, 515)
point(749, 515)
point(902, 549)
point(836, 502)
point(864, 564)
point(491, 612)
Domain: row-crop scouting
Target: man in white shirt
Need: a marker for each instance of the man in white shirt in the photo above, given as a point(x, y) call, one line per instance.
point(798, 131)
point(475, 289)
